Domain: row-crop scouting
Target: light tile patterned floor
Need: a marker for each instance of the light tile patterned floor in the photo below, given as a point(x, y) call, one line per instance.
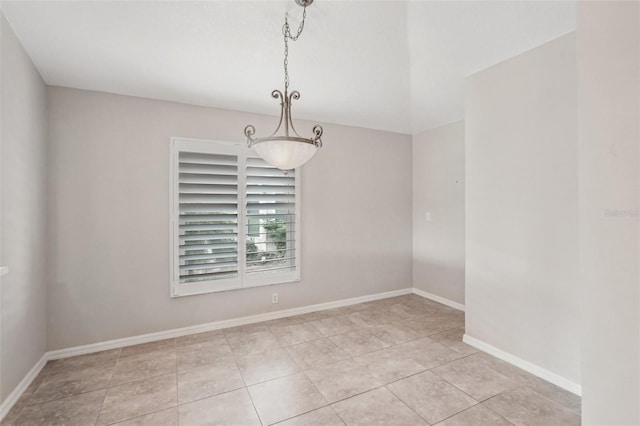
point(397, 361)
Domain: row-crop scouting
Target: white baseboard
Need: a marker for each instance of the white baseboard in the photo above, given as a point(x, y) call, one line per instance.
point(201, 328)
point(13, 397)
point(177, 332)
point(536, 370)
point(439, 299)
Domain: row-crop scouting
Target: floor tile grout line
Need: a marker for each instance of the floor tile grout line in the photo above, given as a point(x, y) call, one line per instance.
point(110, 385)
point(528, 386)
point(338, 414)
point(453, 384)
point(174, 341)
point(455, 414)
point(407, 405)
point(177, 389)
point(301, 414)
point(141, 415)
point(349, 356)
point(178, 404)
point(480, 401)
point(103, 388)
point(26, 403)
point(494, 411)
point(330, 404)
point(246, 388)
point(414, 317)
point(106, 392)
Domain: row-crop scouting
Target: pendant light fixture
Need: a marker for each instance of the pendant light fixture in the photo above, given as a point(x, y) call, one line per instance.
point(285, 148)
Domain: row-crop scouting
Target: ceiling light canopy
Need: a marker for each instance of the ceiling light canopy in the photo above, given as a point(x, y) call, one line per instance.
point(285, 148)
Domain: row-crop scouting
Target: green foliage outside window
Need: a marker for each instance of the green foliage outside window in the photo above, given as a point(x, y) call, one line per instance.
point(277, 232)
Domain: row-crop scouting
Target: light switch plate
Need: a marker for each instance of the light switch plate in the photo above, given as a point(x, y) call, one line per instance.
point(427, 216)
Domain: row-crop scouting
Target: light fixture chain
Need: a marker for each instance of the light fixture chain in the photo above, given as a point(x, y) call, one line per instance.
point(283, 148)
point(286, 31)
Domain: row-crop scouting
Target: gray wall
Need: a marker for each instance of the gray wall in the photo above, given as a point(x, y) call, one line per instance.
point(522, 292)
point(109, 208)
point(22, 210)
point(438, 188)
point(609, 134)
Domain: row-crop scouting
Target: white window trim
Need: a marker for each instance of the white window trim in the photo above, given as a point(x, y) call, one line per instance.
point(177, 289)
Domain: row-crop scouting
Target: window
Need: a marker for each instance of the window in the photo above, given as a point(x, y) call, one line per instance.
point(235, 220)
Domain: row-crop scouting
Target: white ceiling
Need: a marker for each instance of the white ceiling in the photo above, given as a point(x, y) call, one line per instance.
point(390, 65)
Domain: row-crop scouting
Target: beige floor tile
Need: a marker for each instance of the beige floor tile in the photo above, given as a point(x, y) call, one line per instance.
point(432, 324)
point(565, 398)
point(401, 312)
point(283, 398)
point(103, 359)
point(428, 353)
point(511, 371)
point(370, 317)
point(209, 380)
point(208, 336)
point(453, 339)
point(341, 380)
point(379, 304)
point(448, 320)
point(145, 348)
point(280, 322)
point(431, 397)
point(142, 365)
point(12, 415)
point(335, 325)
point(69, 382)
point(420, 327)
point(321, 417)
point(79, 410)
point(293, 334)
point(524, 406)
point(358, 342)
point(474, 376)
point(388, 365)
point(315, 353)
point(258, 368)
point(52, 366)
point(346, 310)
point(478, 415)
point(135, 399)
point(293, 366)
point(253, 343)
point(378, 407)
point(161, 418)
point(395, 334)
point(245, 329)
point(313, 316)
point(231, 408)
point(202, 354)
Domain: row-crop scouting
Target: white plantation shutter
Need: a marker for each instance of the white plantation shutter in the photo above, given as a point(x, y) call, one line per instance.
point(208, 185)
point(234, 219)
point(271, 203)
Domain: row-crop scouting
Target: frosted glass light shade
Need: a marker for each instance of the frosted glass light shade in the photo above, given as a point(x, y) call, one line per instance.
point(284, 154)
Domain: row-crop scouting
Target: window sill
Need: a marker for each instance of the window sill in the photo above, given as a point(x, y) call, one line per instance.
point(182, 290)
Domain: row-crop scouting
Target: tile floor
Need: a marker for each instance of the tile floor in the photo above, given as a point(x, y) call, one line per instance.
point(397, 361)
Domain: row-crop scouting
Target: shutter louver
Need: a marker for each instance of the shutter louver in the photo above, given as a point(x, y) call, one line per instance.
point(208, 216)
point(270, 218)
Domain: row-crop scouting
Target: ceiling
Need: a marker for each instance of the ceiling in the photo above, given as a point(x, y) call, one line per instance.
point(389, 65)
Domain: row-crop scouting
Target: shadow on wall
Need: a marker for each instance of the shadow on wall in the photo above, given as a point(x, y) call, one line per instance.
point(443, 277)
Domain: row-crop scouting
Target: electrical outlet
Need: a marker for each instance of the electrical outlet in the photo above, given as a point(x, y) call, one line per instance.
point(427, 216)
point(274, 298)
